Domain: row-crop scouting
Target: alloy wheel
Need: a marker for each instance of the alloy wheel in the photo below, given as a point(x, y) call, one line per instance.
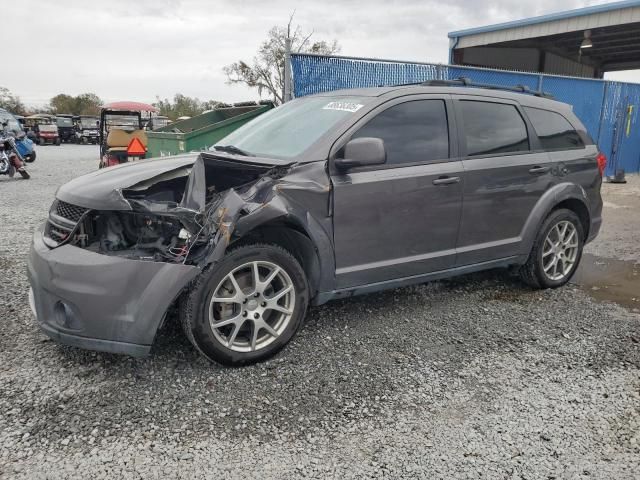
point(560, 250)
point(252, 306)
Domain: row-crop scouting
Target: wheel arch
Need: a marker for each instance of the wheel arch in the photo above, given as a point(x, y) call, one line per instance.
point(564, 195)
point(293, 237)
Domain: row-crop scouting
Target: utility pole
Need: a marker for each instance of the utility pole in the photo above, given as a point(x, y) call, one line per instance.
point(286, 95)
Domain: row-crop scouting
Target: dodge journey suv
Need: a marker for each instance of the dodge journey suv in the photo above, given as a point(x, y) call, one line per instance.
point(328, 196)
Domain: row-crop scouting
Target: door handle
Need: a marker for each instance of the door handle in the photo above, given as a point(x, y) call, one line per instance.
point(538, 170)
point(446, 180)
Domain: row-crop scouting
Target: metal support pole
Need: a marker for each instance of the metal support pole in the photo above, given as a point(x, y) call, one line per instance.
point(286, 95)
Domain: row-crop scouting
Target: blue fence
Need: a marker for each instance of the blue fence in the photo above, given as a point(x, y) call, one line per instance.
point(609, 110)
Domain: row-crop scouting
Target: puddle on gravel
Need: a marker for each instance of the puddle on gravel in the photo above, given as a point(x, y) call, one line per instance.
point(610, 280)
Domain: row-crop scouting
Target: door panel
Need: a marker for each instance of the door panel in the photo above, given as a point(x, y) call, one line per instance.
point(394, 222)
point(505, 174)
point(499, 195)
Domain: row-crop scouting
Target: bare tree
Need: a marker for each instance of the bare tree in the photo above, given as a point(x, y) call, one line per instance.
point(11, 102)
point(266, 73)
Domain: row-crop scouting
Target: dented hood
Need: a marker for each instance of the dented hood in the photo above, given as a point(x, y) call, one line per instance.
point(102, 189)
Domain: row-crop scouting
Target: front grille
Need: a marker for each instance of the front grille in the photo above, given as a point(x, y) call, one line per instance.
point(63, 218)
point(68, 211)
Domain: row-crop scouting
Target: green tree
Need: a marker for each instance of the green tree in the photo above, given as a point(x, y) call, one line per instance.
point(63, 103)
point(88, 104)
point(83, 104)
point(266, 72)
point(11, 102)
point(183, 105)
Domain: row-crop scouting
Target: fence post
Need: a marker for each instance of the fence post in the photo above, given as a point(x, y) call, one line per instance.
point(603, 105)
point(540, 82)
point(286, 95)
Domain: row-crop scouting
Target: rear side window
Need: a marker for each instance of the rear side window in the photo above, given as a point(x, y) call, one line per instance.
point(412, 132)
point(554, 131)
point(493, 128)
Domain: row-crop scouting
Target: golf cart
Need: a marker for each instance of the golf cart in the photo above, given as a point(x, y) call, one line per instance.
point(156, 122)
point(87, 129)
point(44, 129)
point(66, 129)
point(122, 135)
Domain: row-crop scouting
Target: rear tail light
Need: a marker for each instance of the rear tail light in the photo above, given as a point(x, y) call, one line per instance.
point(602, 162)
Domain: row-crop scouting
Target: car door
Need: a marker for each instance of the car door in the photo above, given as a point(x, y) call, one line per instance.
point(399, 219)
point(505, 174)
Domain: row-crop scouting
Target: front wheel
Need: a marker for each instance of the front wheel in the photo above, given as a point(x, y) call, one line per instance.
point(248, 306)
point(30, 158)
point(41, 141)
point(556, 251)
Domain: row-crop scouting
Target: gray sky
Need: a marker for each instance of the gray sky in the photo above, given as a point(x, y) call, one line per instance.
point(137, 49)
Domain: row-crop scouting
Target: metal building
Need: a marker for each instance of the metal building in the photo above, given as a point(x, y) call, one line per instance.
point(586, 42)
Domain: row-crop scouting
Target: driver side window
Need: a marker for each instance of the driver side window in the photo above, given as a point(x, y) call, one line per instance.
point(413, 132)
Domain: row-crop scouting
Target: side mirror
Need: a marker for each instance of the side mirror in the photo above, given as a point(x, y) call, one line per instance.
point(361, 152)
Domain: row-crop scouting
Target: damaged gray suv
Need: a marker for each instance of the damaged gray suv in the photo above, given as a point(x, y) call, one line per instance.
point(325, 197)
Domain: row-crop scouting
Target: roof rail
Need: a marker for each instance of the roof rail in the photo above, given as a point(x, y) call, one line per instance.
point(466, 82)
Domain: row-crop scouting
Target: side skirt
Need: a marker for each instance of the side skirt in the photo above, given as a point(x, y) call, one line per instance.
point(324, 297)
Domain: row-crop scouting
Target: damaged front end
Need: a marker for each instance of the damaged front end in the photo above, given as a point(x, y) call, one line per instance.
point(180, 215)
point(121, 245)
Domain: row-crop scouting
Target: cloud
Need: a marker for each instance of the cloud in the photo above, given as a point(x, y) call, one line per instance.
point(123, 49)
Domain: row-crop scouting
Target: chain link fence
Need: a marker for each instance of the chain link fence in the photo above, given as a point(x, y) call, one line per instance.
point(609, 110)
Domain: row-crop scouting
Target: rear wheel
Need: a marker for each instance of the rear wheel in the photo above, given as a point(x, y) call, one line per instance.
point(246, 307)
point(556, 252)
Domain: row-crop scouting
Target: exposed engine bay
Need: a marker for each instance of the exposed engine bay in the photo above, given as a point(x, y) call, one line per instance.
point(134, 235)
point(182, 215)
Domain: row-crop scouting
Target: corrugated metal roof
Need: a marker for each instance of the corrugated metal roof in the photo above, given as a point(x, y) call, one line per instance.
point(569, 14)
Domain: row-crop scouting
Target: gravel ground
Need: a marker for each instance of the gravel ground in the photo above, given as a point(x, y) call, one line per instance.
point(476, 377)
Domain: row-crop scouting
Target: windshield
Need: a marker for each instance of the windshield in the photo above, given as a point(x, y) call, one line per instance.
point(124, 122)
point(64, 121)
point(290, 129)
point(13, 124)
point(89, 122)
point(47, 127)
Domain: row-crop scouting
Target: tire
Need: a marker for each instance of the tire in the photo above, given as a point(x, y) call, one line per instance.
point(30, 158)
point(57, 142)
point(533, 271)
point(214, 343)
point(41, 141)
point(84, 140)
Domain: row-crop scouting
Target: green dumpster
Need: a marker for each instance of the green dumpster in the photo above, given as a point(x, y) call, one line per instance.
point(200, 132)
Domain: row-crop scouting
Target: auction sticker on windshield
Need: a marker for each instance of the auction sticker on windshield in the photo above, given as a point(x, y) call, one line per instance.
point(343, 106)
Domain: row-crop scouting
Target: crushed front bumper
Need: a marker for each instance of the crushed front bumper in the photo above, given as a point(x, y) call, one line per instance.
point(101, 302)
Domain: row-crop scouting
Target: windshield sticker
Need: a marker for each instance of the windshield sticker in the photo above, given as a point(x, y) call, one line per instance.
point(343, 106)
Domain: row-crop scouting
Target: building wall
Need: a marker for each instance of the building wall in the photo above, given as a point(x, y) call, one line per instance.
point(524, 30)
point(564, 66)
point(522, 59)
